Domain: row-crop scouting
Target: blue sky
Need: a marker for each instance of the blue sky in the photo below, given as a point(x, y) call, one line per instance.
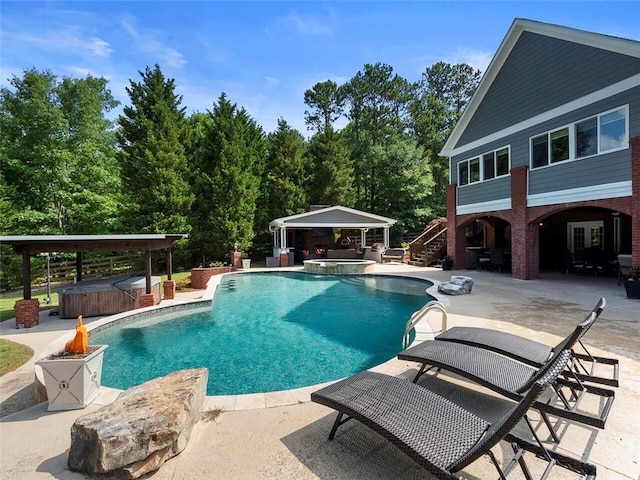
point(265, 54)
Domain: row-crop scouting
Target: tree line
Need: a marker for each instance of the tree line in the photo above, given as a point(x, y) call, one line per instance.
point(65, 168)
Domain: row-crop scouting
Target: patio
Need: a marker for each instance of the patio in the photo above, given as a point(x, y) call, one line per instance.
point(290, 441)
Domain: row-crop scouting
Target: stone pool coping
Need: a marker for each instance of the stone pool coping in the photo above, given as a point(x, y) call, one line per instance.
point(247, 401)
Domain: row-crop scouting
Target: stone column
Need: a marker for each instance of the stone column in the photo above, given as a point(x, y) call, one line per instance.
point(27, 313)
point(169, 288)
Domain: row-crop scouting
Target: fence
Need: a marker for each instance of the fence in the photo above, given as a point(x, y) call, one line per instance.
point(64, 271)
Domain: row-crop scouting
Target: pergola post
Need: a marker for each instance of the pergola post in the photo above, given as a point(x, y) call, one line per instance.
point(79, 258)
point(26, 276)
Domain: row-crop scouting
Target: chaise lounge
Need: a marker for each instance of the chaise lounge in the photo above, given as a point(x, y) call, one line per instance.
point(512, 379)
point(582, 365)
point(440, 435)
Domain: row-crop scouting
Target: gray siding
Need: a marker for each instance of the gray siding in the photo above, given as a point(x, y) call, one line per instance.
point(496, 189)
point(541, 73)
point(601, 169)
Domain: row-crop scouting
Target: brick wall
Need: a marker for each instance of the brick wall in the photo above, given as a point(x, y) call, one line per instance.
point(200, 276)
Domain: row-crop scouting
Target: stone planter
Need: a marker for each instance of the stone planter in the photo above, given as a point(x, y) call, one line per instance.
point(72, 383)
point(633, 288)
point(246, 263)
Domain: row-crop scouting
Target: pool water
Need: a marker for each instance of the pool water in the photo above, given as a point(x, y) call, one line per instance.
point(270, 331)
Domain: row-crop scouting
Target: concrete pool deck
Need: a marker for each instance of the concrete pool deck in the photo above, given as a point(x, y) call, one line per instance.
point(256, 439)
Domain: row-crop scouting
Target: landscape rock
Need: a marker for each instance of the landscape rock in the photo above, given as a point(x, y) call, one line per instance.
point(143, 428)
point(459, 285)
point(465, 282)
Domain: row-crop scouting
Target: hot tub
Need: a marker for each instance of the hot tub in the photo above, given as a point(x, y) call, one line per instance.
point(105, 296)
point(338, 266)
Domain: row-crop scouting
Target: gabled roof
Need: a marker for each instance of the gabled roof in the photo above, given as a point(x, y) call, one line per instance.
point(518, 27)
point(335, 217)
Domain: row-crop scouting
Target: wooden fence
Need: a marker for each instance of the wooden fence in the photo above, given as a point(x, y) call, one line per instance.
point(64, 271)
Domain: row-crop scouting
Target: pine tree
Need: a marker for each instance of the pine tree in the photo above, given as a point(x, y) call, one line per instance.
point(228, 166)
point(152, 157)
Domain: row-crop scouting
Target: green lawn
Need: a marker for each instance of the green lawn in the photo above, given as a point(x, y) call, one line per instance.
point(12, 355)
point(8, 300)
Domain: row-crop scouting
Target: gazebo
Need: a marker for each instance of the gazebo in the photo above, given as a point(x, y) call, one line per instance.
point(323, 218)
point(27, 310)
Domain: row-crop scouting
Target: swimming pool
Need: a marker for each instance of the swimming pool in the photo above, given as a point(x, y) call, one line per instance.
point(270, 331)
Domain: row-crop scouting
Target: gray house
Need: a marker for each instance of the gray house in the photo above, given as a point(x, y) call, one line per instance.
point(545, 161)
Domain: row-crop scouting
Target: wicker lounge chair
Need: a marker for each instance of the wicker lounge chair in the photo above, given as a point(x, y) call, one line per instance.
point(512, 379)
point(582, 365)
point(441, 436)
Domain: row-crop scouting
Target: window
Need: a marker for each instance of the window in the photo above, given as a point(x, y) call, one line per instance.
point(463, 178)
point(474, 170)
point(595, 135)
point(587, 137)
point(613, 130)
point(540, 151)
point(485, 167)
point(489, 162)
point(502, 162)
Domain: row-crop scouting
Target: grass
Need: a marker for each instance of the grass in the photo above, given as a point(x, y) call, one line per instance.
point(8, 300)
point(13, 355)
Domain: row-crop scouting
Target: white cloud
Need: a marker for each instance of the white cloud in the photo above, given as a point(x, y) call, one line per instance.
point(476, 58)
point(309, 25)
point(150, 41)
point(69, 41)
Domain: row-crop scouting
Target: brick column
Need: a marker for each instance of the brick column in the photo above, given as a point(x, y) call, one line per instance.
point(147, 300)
point(236, 260)
point(524, 237)
point(284, 259)
point(455, 251)
point(27, 313)
point(635, 200)
point(169, 289)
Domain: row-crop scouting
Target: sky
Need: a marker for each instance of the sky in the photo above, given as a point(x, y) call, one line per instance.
point(265, 54)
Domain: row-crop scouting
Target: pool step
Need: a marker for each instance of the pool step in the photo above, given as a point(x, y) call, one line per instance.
point(230, 284)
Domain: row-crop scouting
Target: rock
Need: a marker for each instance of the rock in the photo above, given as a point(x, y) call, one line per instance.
point(465, 282)
point(143, 428)
point(459, 285)
point(451, 289)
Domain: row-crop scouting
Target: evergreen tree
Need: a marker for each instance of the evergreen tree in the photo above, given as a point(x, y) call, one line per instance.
point(228, 165)
point(152, 157)
point(333, 177)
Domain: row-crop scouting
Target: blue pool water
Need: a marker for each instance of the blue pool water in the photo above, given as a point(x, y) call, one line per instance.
point(273, 331)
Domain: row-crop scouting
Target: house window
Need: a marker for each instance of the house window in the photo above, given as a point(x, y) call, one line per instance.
point(592, 136)
point(485, 167)
point(560, 145)
point(464, 173)
point(587, 137)
point(489, 162)
point(474, 170)
point(613, 130)
point(502, 162)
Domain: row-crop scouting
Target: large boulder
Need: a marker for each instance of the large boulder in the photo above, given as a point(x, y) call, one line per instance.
point(465, 282)
point(143, 428)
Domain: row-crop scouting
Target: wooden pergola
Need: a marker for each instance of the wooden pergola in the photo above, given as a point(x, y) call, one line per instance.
point(26, 245)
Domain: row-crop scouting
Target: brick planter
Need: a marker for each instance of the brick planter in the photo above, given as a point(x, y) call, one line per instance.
point(27, 313)
point(200, 276)
point(169, 289)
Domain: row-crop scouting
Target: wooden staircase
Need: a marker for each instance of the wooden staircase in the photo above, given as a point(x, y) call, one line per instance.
point(431, 245)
